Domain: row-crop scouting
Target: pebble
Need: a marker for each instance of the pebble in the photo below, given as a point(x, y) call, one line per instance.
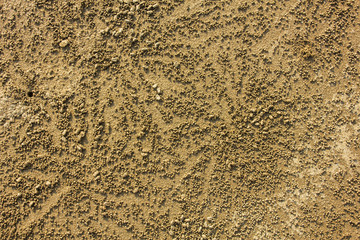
point(64, 43)
point(95, 174)
point(31, 204)
point(185, 225)
point(147, 149)
point(48, 183)
point(157, 97)
point(205, 224)
point(19, 179)
point(154, 86)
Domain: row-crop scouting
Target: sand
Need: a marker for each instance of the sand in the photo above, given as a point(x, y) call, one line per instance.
point(181, 119)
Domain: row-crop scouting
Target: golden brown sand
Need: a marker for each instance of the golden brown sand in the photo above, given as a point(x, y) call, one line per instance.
point(179, 119)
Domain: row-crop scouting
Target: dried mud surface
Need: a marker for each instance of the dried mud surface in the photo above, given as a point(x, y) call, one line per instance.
point(183, 119)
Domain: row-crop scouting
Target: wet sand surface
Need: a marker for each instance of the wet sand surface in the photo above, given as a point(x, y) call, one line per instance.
point(181, 119)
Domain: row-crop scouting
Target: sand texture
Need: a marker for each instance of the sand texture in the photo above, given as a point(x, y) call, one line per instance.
point(180, 119)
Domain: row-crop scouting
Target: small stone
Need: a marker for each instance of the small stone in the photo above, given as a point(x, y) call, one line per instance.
point(136, 190)
point(157, 97)
point(64, 43)
point(95, 174)
point(48, 183)
point(205, 224)
point(19, 195)
point(19, 179)
point(154, 86)
point(27, 164)
point(37, 187)
point(146, 149)
point(31, 204)
point(158, 90)
point(64, 132)
point(171, 233)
